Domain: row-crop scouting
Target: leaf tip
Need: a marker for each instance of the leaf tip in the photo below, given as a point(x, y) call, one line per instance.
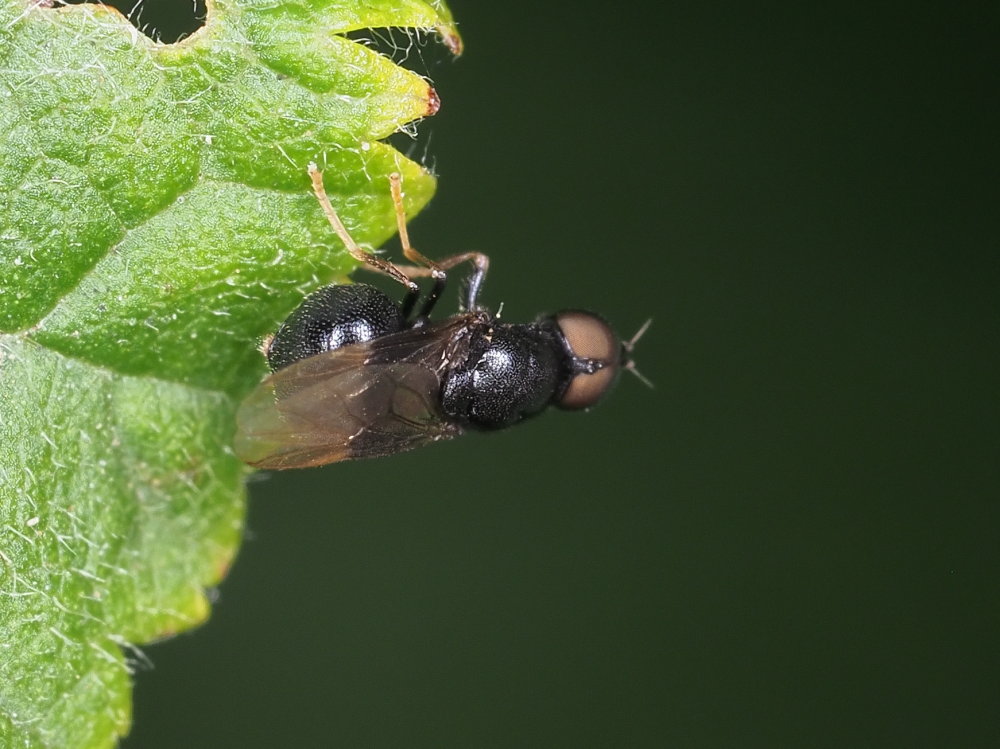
point(433, 102)
point(449, 35)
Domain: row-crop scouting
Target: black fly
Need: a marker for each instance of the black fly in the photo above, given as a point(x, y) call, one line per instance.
point(357, 375)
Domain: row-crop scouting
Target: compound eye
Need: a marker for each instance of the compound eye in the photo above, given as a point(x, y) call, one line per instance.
point(596, 356)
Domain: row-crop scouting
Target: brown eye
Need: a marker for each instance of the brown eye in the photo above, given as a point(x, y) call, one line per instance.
point(596, 355)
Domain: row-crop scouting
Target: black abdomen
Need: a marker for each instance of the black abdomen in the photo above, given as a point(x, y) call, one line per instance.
point(332, 317)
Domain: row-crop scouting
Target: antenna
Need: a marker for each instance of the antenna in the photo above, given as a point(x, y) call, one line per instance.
point(628, 346)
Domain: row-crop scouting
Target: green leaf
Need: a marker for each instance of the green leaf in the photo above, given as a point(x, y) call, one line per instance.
point(155, 222)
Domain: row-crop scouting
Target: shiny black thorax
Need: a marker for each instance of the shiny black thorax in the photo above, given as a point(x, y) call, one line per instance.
point(494, 374)
point(511, 372)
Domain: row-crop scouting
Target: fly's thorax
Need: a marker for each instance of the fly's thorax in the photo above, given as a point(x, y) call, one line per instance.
point(510, 372)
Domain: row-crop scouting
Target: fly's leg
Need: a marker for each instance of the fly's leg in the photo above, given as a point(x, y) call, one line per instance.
point(424, 266)
point(359, 254)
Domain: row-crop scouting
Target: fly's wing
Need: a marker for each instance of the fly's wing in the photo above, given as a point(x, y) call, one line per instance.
point(360, 401)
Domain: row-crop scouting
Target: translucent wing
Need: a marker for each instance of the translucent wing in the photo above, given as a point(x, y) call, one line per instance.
point(360, 401)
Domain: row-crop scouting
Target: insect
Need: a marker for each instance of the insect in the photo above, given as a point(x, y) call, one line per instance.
point(357, 375)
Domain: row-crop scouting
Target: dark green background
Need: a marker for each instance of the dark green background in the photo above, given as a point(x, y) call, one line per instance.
point(793, 539)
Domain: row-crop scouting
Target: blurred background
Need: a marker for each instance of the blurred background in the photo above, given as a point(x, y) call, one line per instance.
point(793, 539)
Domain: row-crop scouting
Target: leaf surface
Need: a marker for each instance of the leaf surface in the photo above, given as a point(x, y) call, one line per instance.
point(155, 223)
